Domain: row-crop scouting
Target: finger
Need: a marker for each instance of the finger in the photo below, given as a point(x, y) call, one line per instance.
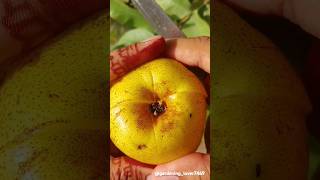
point(126, 168)
point(192, 51)
point(304, 13)
point(193, 162)
point(125, 59)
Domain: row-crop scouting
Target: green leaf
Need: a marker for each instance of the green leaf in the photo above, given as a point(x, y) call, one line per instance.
point(176, 9)
point(196, 26)
point(193, 22)
point(195, 4)
point(204, 12)
point(116, 31)
point(126, 15)
point(132, 36)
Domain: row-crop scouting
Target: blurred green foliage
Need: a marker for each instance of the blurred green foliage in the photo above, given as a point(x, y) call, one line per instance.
point(128, 26)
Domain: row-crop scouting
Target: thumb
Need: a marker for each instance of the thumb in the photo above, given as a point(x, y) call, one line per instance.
point(192, 166)
point(191, 51)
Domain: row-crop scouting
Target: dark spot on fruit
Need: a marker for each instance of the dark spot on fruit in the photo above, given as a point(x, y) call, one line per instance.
point(279, 131)
point(141, 146)
point(118, 113)
point(258, 170)
point(53, 95)
point(164, 82)
point(190, 115)
point(18, 100)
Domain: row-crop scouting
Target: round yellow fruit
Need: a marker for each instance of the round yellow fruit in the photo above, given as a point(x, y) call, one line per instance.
point(52, 109)
point(157, 112)
point(260, 106)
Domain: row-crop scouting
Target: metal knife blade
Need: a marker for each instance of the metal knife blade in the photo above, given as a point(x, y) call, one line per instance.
point(158, 19)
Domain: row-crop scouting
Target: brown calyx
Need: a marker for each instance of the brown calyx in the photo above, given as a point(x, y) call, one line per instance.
point(158, 107)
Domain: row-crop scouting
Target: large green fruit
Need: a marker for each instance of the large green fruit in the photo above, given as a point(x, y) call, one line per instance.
point(259, 105)
point(53, 111)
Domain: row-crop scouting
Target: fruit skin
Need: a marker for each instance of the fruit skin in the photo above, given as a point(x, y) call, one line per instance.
point(259, 106)
point(53, 109)
point(173, 134)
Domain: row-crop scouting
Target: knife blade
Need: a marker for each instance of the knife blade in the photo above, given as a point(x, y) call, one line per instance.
point(158, 19)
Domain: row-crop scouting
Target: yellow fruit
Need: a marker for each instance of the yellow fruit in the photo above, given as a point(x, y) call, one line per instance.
point(157, 112)
point(53, 109)
point(259, 105)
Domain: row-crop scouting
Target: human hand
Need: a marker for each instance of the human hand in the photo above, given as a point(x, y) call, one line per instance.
point(304, 13)
point(192, 52)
